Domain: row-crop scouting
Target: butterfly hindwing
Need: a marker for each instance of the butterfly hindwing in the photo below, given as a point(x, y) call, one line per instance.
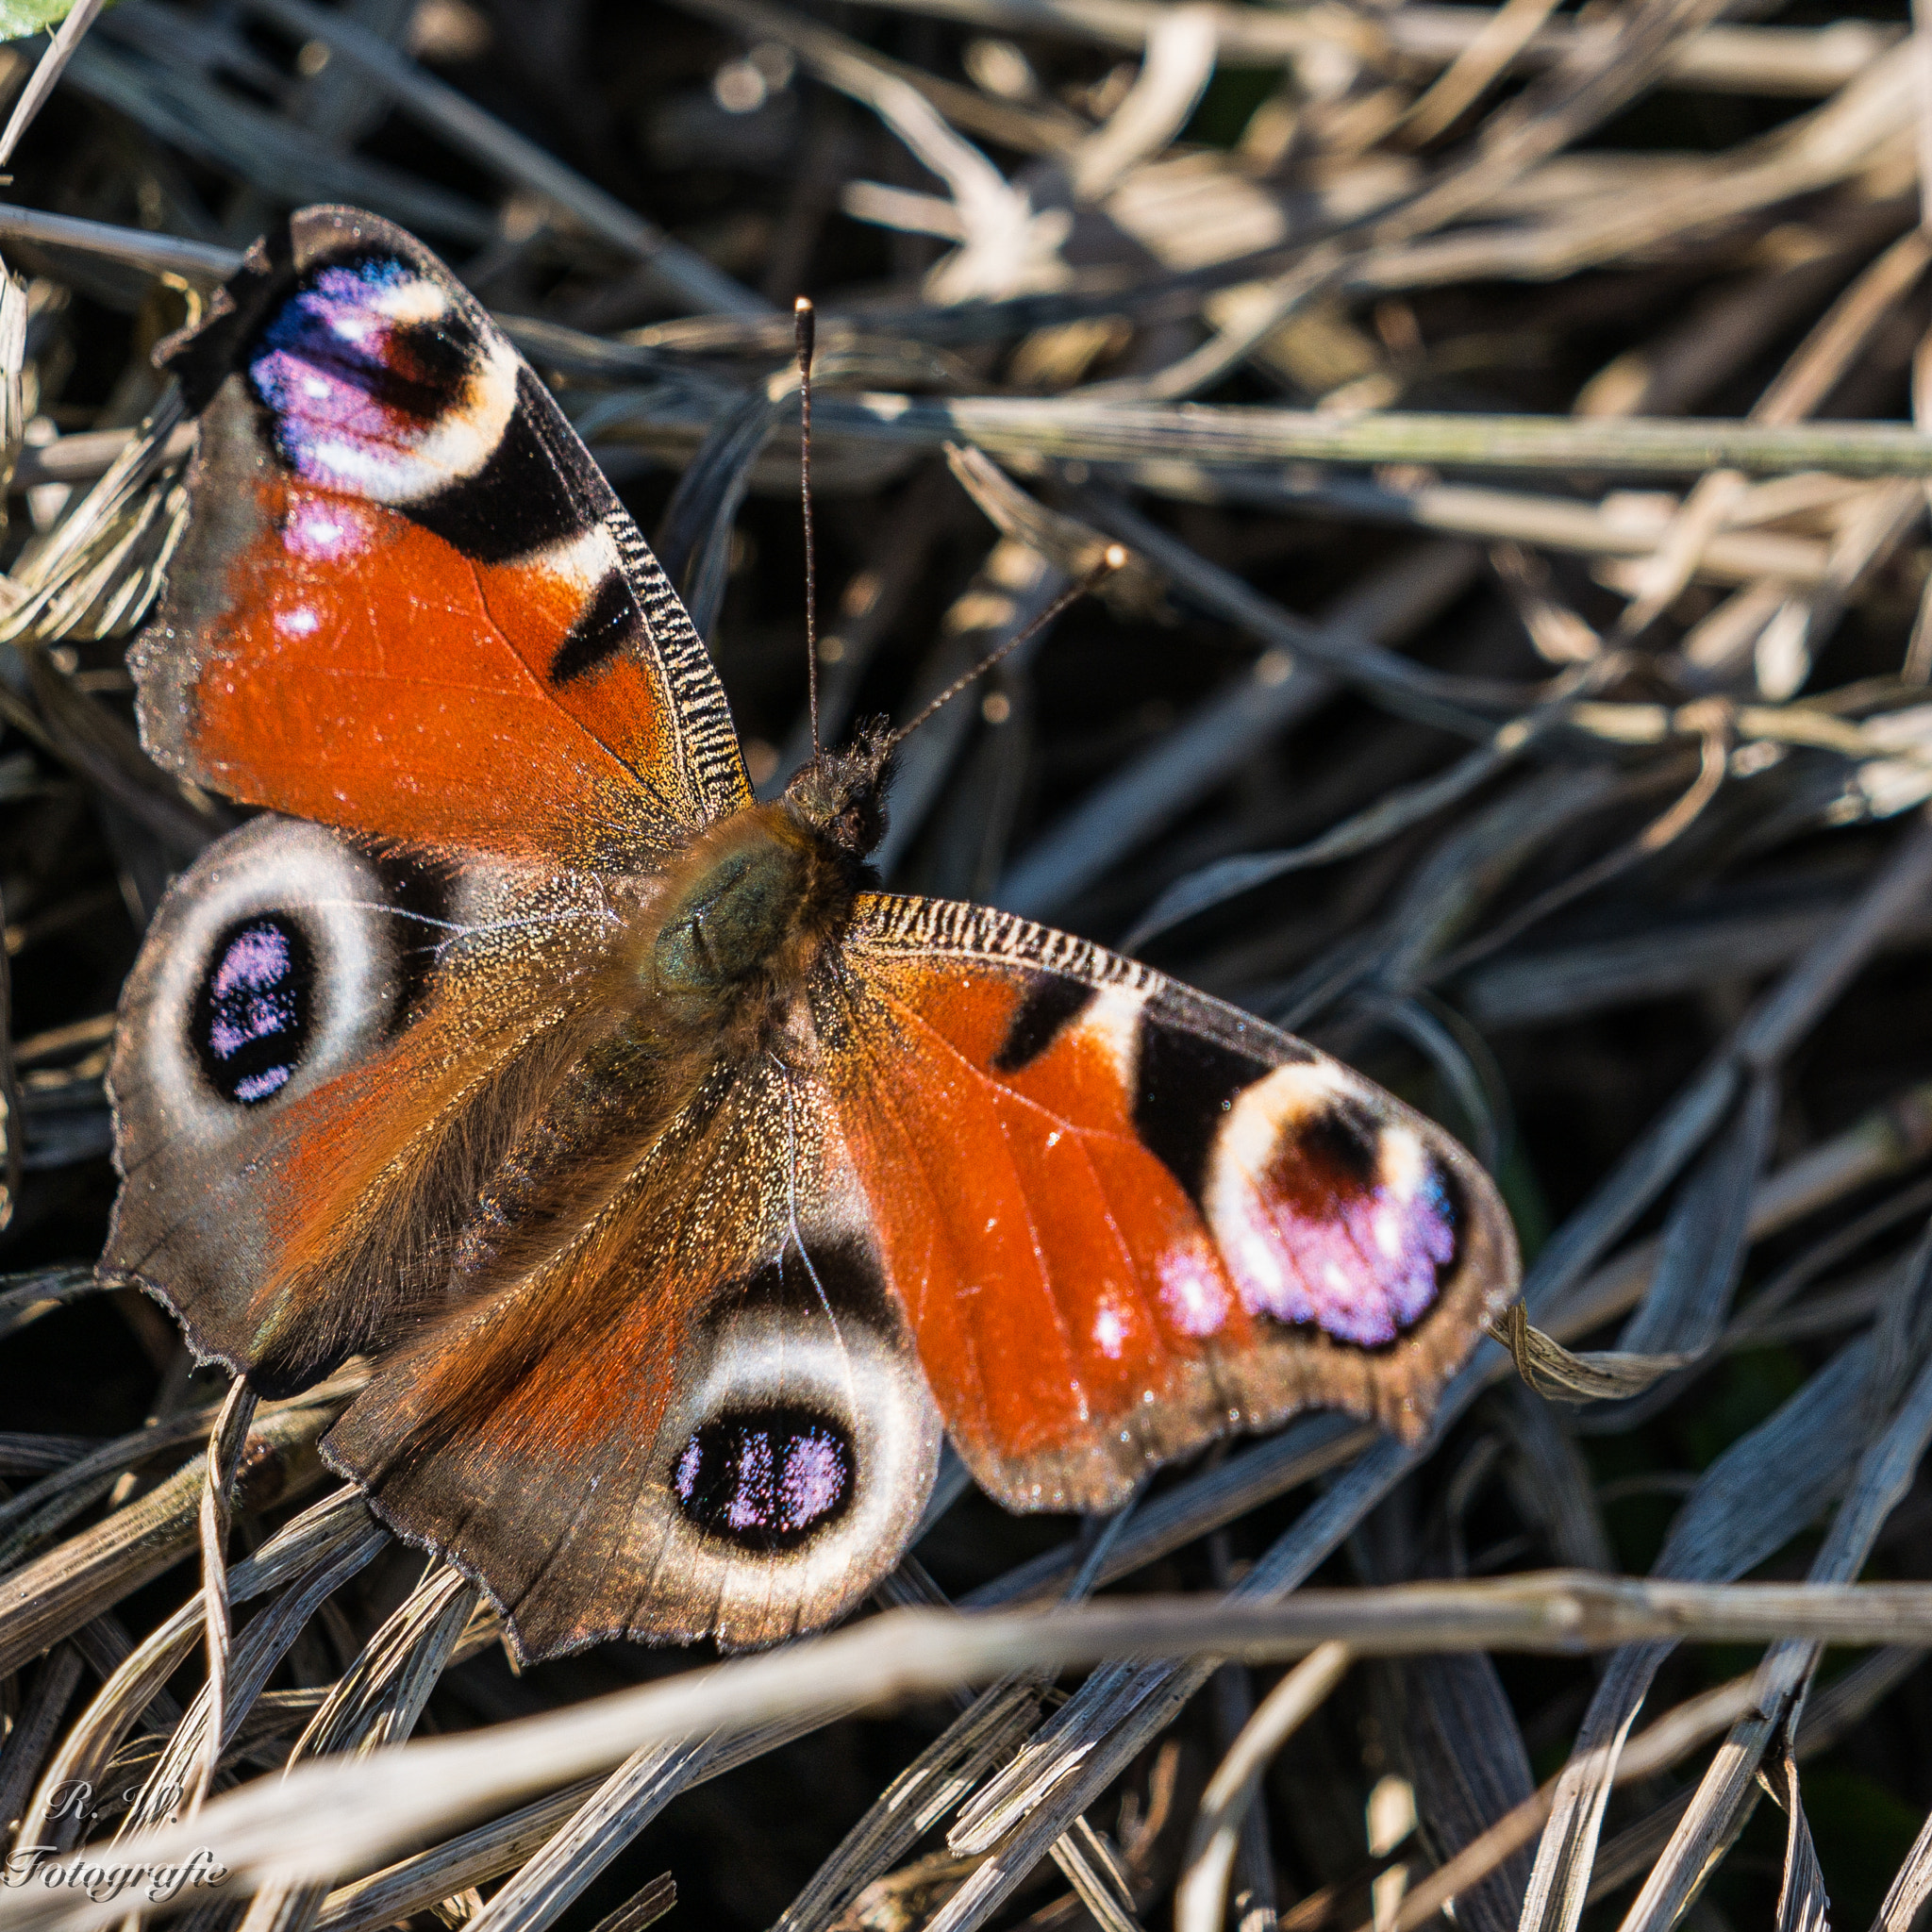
point(322, 1048)
point(1123, 1218)
point(408, 603)
point(698, 1415)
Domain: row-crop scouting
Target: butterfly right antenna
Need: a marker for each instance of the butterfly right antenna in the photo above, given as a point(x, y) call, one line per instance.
point(1114, 557)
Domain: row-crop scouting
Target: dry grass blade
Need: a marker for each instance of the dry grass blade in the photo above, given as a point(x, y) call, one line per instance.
point(1739, 1512)
point(1703, 1254)
point(34, 1727)
point(47, 70)
point(345, 1540)
point(1802, 1904)
point(375, 1703)
point(283, 1832)
point(469, 1858)
point(1395, 813)
point(1594, 1375)
point(643, 1907)
point(927, 1791)
point(1805, 381)
point(134, 1685)
point(1281, 691)
point(1029, 429)
point(545, 1885)
point(489, 142)
point(54, 1595)
point(1075, 549)
point(1715, 1814)
point(1658, 1747)
point(224, 1449)
point(1910, 1887)
point(1201, 1900)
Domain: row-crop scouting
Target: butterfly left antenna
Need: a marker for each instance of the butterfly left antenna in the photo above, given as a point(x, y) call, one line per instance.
point(1112, 559)
point(804, 321)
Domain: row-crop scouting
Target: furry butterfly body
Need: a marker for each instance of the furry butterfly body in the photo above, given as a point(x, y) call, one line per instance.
point(681, 1187)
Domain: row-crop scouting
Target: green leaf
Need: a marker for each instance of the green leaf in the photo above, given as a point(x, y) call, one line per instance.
point(19, 17)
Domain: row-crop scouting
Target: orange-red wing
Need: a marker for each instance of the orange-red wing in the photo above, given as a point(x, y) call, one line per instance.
point(407, 602)
point(1123, 1218)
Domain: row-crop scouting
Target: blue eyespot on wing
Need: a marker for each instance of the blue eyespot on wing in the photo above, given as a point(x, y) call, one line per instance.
point(254, 1010)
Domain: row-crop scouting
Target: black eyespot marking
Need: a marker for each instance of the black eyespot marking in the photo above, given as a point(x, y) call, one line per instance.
point(610, 620)
point(1186, 1083)
point(440, 357)
point(842, 1274)
point(1052, 1004)
point(254, 1010)
point(531, 493)
point(1327, 1162)
point(1343, 1142)
point(765, 1479)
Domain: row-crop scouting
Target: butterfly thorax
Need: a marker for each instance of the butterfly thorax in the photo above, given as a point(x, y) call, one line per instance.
point(760, 896)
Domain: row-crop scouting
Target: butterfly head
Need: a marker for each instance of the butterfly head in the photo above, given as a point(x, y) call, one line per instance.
point(842, 794)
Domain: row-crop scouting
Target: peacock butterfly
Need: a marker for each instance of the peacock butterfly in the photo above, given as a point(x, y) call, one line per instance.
point(681, 1186)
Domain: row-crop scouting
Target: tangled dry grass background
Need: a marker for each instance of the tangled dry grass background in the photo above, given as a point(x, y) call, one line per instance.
point(1519, 685)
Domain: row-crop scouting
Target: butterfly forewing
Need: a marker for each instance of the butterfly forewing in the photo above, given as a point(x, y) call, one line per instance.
point(408, 603)
point(1123, 1218)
